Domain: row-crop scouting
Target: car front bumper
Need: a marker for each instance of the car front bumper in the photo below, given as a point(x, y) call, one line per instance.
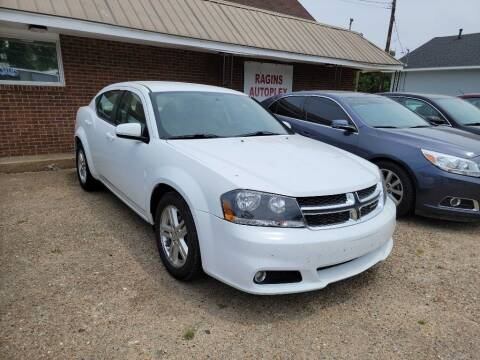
point(434, 185)
point(234, 253)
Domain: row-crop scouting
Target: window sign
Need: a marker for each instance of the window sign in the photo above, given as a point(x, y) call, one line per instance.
point(263, 80)
point(29, 62)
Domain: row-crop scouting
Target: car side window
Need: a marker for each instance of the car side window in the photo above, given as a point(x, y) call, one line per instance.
point(290, 106)
point(422, 108)
point(105, 104)
point(130, 110)
point(323, 111)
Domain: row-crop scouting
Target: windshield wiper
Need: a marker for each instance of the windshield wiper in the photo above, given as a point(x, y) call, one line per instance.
point(259, 133)
point(419, 126)
point(473, 124)
point(386, 127)
point(194, 136)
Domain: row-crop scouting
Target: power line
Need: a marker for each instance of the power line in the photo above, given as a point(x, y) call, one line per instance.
point(395, 26)
point(372, 3)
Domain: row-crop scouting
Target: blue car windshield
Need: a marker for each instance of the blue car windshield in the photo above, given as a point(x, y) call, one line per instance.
point(380, 112)
point(197, 115)
point(463, 112)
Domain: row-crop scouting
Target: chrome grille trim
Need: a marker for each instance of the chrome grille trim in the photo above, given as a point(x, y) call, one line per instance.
point(354, 205)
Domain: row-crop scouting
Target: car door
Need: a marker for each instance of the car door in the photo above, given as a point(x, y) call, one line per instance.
point(290, 110)
point(320, 112)
point(104, 130)
point(126, 167)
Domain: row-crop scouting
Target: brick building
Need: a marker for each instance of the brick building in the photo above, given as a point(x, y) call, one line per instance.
point(56, 55)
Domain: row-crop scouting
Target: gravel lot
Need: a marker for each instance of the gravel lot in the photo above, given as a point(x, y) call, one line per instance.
point(80, 278)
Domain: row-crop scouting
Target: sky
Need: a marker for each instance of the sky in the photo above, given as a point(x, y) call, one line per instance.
point(417, 20)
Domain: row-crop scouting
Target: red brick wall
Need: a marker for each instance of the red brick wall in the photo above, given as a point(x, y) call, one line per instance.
point(40, 120)
point(289, 7)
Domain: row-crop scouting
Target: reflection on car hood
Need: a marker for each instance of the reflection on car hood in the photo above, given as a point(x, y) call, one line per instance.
point(286, 164)
point(441, 139)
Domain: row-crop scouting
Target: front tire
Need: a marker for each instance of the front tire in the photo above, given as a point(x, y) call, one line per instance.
point(399, 186)
point(177, 239)
point(85, 178)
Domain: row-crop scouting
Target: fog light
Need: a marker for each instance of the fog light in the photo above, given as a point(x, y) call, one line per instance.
point(455, 202)
point(260, 276)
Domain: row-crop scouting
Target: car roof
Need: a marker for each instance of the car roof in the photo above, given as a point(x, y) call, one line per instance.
point(331, 93)
point(168, 86)
point(419, 95)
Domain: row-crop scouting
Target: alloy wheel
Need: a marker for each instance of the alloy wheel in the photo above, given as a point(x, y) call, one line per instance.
point(82, 167)
point(173, 236)
point(394, 186)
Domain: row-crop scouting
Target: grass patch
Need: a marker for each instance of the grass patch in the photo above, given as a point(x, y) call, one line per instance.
point(189, 334)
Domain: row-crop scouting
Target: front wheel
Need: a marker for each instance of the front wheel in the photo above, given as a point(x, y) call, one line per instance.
point(399, 187)
point(177, 239)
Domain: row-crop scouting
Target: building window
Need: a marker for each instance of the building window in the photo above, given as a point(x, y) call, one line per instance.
point(31, 61)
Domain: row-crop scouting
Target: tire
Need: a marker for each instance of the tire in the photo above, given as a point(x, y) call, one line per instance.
point(393, 173)
point(85, 178)
point(171, 244)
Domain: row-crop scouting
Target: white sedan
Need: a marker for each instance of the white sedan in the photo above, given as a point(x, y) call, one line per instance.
point(231, 190)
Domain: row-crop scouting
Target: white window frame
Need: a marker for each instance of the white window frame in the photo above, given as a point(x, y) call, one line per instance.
point(30, 35)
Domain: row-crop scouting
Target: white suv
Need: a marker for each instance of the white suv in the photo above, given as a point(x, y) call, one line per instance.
point(231, 190)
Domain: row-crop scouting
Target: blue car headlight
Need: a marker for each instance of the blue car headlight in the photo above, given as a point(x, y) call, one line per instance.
point(452, 164)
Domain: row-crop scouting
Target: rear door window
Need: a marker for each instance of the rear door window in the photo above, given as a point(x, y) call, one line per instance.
point(291, 106)
point(105, 105)
point(323, 111)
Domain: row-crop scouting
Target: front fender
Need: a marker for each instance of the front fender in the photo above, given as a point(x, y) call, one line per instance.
point(184, 183)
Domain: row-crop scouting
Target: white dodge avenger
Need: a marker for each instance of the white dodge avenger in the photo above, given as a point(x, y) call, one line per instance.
point(231, 190)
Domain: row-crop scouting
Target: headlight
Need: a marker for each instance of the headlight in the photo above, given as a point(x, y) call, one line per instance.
point(384, 187)
point(248, 207)
point(452, 164)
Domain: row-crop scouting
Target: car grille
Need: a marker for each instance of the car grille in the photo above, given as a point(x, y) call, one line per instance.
point(340, 209)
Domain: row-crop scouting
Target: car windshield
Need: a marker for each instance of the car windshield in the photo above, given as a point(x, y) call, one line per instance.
point(196, 115)
point(460, 110)
point(380, 112)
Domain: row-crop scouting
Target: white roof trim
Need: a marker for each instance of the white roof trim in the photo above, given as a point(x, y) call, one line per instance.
point(112, 32)
point(406, 69)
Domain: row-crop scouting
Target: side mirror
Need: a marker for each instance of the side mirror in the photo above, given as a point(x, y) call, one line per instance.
point(435, 120)
point(287, 124)
point(343, 125)
point(132, 131)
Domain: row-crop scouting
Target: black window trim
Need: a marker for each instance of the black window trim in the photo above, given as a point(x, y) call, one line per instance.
point(426, 102)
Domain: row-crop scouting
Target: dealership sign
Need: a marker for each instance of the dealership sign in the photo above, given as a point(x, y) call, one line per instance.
point(263, 80)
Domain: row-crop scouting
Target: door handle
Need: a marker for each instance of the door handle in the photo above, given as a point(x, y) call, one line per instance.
point(110, 136)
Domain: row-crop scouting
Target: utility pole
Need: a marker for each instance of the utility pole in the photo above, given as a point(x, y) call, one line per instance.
point(390, 27)
point(389, 39)
point(350, 26)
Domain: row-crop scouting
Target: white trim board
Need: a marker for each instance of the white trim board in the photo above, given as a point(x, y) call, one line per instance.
point(116, 33)
point(476, 67)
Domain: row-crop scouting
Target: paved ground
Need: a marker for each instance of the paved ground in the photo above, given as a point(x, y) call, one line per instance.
point(80, 279)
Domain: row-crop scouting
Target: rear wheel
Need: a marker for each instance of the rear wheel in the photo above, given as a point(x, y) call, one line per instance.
point(87, 182)
point(399, 186)
point(177, 239)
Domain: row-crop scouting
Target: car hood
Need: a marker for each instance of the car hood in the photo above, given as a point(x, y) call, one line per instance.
point(441, 139)
point(290, 165)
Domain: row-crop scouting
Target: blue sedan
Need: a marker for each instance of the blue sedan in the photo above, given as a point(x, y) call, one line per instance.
point(431, 170)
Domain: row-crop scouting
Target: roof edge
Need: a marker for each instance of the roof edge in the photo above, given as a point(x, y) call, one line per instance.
point(70, 26)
